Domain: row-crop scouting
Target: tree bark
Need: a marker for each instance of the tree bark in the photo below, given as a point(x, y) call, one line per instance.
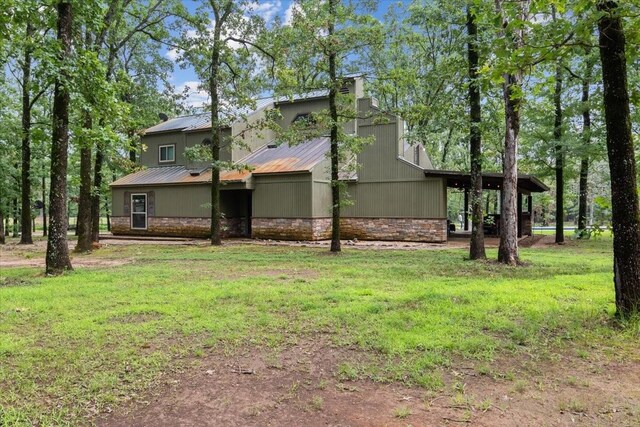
point(26, 237)
point(512, 94)
point(476, 248)
point(97, 190)
point(559, 154)
point(2, 237)
point(16, 216)
point(585, 161)
point(335, 155)
point(622, 164)
point(44, 203)
point(57, 258)
point(508, 249)
point(216, 232)
point(83, 225)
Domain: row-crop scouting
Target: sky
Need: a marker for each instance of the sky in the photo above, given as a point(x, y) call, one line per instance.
point(187, 79)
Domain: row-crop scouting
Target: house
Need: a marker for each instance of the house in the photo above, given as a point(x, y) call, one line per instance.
point(395, 193)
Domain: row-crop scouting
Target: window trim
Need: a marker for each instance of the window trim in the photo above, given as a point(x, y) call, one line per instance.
point(146, 212)
point(160, 147)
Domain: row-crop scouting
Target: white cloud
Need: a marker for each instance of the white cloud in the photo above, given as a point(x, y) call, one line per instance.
point(194, 95)
point(268, 10)
point(173, 54)
point(290, 12)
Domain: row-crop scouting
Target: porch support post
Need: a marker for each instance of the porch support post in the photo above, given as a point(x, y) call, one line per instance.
point(466, 209)
point(519, 214)
point(530, 204)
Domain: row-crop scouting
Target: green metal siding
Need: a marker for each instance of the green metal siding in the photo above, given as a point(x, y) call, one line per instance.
point(290, 110)
point(410, 199)
point(283, 196)
point(184, 201)
point(150, 143)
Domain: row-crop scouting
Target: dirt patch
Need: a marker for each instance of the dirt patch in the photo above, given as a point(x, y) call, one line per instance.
point(14, 255)
point(305, 385)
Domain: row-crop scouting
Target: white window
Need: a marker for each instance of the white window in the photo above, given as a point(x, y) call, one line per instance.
point(139, 211)
point(167, 153)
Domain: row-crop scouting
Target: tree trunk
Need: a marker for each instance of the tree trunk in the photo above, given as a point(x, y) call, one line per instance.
point(83, 224)
point(508, 249)
point(26, 237)
point(2, 237)
point(216, 232)
point(16, 221)
point(44, 203)
point(559, 153)
point(584, 162)
point(476, 248)
point(57, 258)
point(335, 156)
point(97, 190)
point(622, 164)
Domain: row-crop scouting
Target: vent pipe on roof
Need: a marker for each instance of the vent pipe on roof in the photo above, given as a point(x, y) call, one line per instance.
point(163, 117)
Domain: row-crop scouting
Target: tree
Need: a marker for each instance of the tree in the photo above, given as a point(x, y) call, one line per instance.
point(57, 258)
point(224, 50)
point(512, 97)
point(559, 153)
point(326, 35)
point(476, 248)
point(622, 164)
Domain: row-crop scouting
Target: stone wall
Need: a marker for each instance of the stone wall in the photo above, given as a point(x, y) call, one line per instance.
point(398, 229)
point(179, 227)
point(291, 228)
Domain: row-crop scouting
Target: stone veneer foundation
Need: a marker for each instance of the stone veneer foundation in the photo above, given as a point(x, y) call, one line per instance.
point(291, 228)
point(395, 229)
point(179, 227)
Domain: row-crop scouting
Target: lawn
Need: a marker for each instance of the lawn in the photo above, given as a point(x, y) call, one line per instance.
point(71, 346)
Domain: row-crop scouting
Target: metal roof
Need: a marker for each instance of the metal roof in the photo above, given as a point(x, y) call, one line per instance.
point(266, 160)
point(490, 180)
point(202, 121)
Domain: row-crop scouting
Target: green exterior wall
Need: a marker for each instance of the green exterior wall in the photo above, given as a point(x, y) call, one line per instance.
point(149, 156)
point(283, 196)
point(184, 201)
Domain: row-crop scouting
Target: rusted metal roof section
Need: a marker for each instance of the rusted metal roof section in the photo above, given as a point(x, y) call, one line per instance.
point(269, 159)
point(163, 175)
point(284, 158)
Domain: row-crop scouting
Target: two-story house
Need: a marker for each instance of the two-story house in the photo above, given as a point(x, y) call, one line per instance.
point(395, 193)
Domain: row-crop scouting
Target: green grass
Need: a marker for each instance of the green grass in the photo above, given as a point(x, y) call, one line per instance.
point(70, 346)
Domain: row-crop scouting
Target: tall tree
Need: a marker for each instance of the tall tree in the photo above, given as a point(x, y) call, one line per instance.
point(622, 164)
point(27, 105)
point(57, 258)
point(476, 249)
point(585, 83)
point(326, 35)
point(559, 152)
point(224, 49)
point(512, 97)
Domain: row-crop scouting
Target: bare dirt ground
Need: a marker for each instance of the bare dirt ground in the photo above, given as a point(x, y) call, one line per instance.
point(14, 255)
point(302, 386)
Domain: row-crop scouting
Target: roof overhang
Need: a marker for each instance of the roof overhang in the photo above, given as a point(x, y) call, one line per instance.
point(527, 184)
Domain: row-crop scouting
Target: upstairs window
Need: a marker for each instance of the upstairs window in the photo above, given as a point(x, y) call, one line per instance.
point(167, 153)
point(303, 119)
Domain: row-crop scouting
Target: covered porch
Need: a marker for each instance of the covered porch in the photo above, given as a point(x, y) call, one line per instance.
point(527, 185)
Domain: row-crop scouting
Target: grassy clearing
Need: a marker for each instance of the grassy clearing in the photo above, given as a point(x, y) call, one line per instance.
point(71, 346)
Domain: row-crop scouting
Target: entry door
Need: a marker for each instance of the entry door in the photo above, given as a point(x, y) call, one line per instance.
point(138, 211)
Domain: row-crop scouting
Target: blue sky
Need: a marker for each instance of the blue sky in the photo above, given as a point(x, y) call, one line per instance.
point(187, 79)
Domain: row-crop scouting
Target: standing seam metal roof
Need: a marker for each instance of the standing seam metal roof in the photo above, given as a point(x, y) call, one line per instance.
point(280, 159)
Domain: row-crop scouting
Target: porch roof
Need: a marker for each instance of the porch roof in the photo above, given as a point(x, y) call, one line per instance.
point(490, 180)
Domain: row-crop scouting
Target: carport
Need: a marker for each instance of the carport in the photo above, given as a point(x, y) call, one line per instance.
point(527, 185)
